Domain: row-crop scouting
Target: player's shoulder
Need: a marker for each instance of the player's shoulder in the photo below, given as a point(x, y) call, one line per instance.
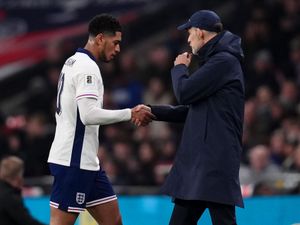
point(83, 63)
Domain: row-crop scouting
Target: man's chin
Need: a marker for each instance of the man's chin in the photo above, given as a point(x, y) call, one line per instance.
point(108, 59)
point(104, 59)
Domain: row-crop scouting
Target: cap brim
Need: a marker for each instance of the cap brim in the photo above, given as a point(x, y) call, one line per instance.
point(184, 26)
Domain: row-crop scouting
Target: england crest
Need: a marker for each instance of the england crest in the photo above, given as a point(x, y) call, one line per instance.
point(80, 198)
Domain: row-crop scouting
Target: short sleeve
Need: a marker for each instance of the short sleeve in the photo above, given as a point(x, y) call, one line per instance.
point(87, 86)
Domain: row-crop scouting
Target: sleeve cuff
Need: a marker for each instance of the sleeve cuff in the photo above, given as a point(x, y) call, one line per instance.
point(127, 114)
point(179, 69)
point(86, 96)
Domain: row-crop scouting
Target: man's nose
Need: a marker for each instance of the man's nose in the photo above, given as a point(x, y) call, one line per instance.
point(189, 40)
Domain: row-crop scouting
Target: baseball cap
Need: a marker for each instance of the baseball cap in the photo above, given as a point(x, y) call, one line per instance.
point(203, 19)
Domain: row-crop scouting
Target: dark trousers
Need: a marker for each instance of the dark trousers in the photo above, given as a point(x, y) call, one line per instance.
point(188, 212)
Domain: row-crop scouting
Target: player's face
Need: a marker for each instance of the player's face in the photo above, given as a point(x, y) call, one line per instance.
point(195, 39)
point(111, 46)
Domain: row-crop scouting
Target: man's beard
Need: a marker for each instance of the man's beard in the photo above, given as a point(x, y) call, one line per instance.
point(103, 58)
point(195, 51)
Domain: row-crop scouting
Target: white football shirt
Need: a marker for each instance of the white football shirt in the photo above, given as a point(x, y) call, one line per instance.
point(74, 143)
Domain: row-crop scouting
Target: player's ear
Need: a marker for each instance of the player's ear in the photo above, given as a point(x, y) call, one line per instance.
point(99, 39)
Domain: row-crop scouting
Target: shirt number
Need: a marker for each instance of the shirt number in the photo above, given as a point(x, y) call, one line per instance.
point(60, 88)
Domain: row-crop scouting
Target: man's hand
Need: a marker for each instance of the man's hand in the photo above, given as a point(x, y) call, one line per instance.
point(141, 115)
point(184, 58)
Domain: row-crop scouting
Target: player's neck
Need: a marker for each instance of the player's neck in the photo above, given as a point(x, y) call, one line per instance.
point(92, 50)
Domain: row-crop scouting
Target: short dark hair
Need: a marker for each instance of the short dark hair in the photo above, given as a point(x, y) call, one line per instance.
point(104, 23)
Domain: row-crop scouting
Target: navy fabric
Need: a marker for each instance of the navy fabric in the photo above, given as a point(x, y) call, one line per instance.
point(188, 212)
point(203, 19)
point(78, 142)
point(101, 191)
point(207, 162)
point(170, 113)
point(82, 50)
point(69, 181)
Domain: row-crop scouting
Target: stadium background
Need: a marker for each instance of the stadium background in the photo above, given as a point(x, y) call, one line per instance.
point(37, 36)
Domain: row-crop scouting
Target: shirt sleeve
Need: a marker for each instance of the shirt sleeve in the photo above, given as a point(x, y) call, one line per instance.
point(170, 113)
point(205, 81)
point(87, 86)
point(91, 114)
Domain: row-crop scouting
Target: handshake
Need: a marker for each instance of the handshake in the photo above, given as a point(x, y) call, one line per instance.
point(141, 115)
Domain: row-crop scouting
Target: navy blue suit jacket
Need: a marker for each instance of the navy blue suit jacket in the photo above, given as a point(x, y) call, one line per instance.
point(211, 105)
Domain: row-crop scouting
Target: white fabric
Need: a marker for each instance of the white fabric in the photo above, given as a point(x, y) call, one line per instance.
point(76, 144)
point(90, 114)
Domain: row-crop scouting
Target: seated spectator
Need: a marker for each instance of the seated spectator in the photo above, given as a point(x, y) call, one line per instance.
point(288, 97)
point(277, 142)
point(295, 166)
point(260, 166)
point(262, 73)
point(12, 209)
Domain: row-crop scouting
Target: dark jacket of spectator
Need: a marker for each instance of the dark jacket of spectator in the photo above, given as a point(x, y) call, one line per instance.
point(12, 208)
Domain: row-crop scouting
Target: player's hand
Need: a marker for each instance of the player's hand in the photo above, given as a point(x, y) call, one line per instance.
point(141, 115)
point(184, 58)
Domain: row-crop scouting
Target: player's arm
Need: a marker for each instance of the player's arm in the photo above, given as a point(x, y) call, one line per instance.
point(91, 114)
point(87, 91)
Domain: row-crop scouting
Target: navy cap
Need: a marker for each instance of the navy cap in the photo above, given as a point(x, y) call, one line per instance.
point(203, 19)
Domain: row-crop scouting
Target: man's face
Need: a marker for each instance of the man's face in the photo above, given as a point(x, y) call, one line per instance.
point(111, 46)
point(195, 39)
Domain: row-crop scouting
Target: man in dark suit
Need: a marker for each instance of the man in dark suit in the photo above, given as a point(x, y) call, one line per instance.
point(205, 172)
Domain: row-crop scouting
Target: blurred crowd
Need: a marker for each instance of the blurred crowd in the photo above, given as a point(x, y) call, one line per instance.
point(270, 32)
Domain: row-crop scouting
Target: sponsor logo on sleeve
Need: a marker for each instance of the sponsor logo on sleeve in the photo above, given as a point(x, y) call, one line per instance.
point(89, 80)
point(70, 62)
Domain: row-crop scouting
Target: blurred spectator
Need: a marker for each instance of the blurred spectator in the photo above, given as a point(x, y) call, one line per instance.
point(156, 92)
point(295, 166)
point(288, 97)
point(146, 159)
point(125, 162)
point(262, 73)
point(111, 170)
point(158, 64)
point(257, 33)
point(277, 142)
point(141, 134)
point(12, 208)
point(37, 142)
point(127, 90)
point(291, 67)
point(289, 18)
point(264, 101)
point(249, 133)
point(260, 166)
point(165, 160)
